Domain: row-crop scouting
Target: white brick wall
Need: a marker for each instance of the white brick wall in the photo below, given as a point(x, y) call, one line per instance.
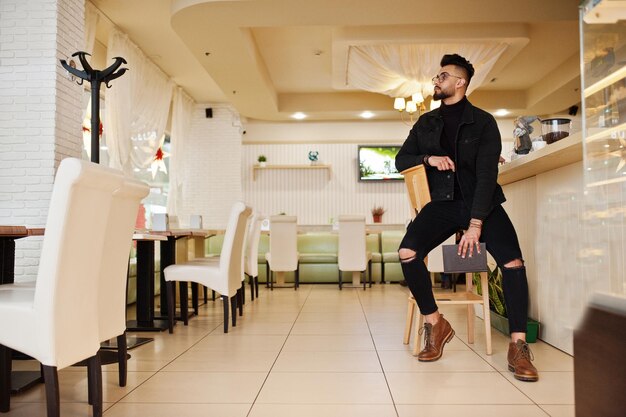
point(212, 166)
point(40, 111)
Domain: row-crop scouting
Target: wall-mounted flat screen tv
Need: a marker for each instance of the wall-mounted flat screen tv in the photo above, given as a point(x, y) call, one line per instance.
point(378, 163)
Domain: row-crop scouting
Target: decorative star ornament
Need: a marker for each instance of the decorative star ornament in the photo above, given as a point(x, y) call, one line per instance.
point(157, 163)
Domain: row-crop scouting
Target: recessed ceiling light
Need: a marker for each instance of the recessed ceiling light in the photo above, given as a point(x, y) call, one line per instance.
point(367, 114)
point(298, 116)
point(501, 112)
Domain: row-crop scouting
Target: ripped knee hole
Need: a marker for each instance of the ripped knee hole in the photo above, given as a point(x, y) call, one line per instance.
point(514, 264)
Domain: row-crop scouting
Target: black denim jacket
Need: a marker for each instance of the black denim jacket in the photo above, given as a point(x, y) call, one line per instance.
point(478, 148)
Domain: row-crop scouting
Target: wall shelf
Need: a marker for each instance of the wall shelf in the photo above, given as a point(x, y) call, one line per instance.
point(257, 167)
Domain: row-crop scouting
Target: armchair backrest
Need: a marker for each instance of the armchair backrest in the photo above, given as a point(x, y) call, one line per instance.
point(351, 256)
point(252, 251)
point(232, 249)
point(117, 244)
point(283, 243)
point(69, 269)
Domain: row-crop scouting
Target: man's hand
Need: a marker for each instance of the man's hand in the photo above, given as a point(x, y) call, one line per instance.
point(442, 163)
point(470, 238)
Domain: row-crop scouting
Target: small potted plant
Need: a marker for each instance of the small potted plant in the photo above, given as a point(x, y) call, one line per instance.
point(262, 159)
point(377, 213)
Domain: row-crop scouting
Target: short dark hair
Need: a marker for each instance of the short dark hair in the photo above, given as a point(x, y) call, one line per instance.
point(459, 61)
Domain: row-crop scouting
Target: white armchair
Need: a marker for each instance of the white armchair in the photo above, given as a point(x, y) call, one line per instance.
point(221, 274)
point(353, 255)
point(283, 255)
point(251, 265)
point(57, 322)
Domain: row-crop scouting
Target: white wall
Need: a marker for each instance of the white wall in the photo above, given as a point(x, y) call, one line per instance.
point(212, 166)
point(39, 111)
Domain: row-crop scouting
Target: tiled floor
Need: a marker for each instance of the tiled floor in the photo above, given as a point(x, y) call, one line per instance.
point(316, 352)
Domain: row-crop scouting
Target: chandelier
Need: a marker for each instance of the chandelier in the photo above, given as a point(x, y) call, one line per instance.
point(413, 106)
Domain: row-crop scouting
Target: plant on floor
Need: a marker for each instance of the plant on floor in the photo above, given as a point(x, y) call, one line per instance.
point(496, 294)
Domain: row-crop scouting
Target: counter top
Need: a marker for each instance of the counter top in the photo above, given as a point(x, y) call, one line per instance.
point(555, 155)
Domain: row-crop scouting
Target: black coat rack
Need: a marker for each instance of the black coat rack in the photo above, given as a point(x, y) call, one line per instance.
point(96, 78)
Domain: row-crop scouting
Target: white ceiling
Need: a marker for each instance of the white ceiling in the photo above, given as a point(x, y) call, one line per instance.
point(270, 58)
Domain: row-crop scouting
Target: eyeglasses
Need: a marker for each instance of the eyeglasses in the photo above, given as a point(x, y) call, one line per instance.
point(439, 78)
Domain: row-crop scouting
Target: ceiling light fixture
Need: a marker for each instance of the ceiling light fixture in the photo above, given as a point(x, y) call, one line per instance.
point(367, 114)
point(501, 112)
point(414, 105)
point(298, 116)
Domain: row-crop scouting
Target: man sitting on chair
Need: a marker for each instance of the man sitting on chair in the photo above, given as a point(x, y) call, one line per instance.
point(460, 145)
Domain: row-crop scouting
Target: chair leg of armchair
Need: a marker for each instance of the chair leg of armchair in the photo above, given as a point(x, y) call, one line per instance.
point(256, 286)
point(122, 361)
point(53, 403)
point(5, 378)
point(94, 372)
point(369, 270)
point(364, 278)
point(382, 272)
point(267, 274)
point(206, 295)
point(251, 283)
point(340, 280)
point(297, 278)
point(184, 302)
point(233, 310)
point(241, 296)
point(170, 306)
point(195, 302)
point(226, 309)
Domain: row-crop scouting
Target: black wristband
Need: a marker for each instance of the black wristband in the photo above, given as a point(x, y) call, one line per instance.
point(425, 160)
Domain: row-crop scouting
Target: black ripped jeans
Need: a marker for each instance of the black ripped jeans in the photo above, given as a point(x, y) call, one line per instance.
point(439, 220)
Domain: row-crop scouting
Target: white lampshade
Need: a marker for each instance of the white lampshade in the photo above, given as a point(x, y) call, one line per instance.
point(399, 103)
point(418, 97)
point(411, 107)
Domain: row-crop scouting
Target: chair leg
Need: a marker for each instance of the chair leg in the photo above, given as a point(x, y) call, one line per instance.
point(53, 403)
point(233, 309)
point(5, 378)
point(195, 302)
point(297, 279)
point(417, 342)
point(184, 303)
point(486, 314)
point(363, 277)
point(243, 293)
point(267, 274)
point(382, 272)
point(271, 280)
point(94, 372)
point(240, 297)
point(340, 280)
point(170, 306)
point(251, 283)
point(226, 308)
point(213, 294)
point(206, 295)
point(122, 361)
point(369, 269)
point(256, 286)
point(410, 314)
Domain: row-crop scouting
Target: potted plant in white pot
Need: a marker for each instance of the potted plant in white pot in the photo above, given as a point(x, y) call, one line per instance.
point(262, 160)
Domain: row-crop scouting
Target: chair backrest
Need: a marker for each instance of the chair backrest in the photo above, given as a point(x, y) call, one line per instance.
point(417, 187)
point(117, 244)
point(69, 269)
point(232, 249)
point(252, 248)
point(351, 254)
point(283, 243)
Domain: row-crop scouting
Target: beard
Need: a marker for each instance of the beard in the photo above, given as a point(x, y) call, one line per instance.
point(440, 95)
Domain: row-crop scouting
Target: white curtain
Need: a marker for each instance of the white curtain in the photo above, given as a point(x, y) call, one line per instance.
point(402, 70)
point(91, 23)
point(182, 113)
point(137, 106)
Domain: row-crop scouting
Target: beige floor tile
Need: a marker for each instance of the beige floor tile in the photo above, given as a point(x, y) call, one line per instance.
point(466, 410)
point(186, 410)
point(560, 410)
point(453, 388)
point(317, 328)
point(385, 342)
point(73, 387)
point(328, 343)
point(317, 410)
point(258, 328)
point(451, 361)
point(552, 387)
point(199, 387)
point(359, 361)
point(324, 317)
point(324, 388)
point(68, 409)
point(220, 342)
point(235, 361)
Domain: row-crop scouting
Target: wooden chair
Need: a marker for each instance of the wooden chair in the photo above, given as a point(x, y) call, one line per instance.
point(419, 195)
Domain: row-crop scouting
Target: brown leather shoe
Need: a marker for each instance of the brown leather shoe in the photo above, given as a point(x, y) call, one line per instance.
point(520, 358)
point(435, 337)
